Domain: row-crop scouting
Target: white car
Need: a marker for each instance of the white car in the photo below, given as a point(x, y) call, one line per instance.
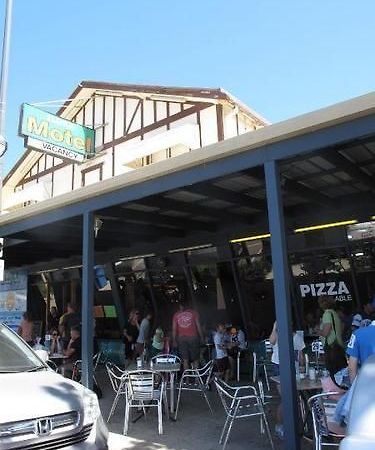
point(41, 410)
point(361, 430)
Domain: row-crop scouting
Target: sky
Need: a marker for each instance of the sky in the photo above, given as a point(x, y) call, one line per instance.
point(280, 57)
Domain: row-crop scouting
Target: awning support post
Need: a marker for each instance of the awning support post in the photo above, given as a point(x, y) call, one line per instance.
point(283, 306)
point(88, 261)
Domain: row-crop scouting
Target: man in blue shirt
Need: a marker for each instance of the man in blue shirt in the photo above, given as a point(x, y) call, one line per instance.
point(360, 347)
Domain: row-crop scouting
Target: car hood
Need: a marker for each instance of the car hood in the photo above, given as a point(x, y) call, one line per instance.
point(37, 394)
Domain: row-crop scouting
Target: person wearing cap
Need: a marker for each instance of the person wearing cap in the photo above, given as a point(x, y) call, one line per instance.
point(356, 322)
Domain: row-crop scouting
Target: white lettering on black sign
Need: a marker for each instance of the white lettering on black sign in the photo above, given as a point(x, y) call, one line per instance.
point(331, 288)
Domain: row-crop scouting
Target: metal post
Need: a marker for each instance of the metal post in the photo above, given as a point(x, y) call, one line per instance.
point(283, 306)
point(88, 263)
point(116, 295)
point(4, 86)
point(151, 289)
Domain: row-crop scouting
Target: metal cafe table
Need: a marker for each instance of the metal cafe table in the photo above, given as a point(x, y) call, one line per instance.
point(304, 387)
point(165, 369)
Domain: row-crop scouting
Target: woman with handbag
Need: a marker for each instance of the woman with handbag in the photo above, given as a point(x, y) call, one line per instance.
point(330, 331)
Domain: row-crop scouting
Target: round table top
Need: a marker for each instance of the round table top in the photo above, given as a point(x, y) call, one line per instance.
point(303, 385)
point(58, 356)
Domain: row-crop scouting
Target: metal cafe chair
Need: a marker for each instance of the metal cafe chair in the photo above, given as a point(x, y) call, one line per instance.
point(325, 432)
point(238, 361)
point(117, 379)
point(77, 368)
point(261, 363)
point(144, 388)
point(195, 380)
point(240, 403)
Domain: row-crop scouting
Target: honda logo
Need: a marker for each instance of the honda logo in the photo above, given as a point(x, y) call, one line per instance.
point(43, 427)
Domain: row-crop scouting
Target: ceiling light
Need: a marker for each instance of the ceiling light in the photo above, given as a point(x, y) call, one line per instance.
point(185, 249)
point(250, 238)
point(324, 226)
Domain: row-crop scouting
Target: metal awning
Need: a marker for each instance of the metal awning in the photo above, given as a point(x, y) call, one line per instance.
point(312, 169)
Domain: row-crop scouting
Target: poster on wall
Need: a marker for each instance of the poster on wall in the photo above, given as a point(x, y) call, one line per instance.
point(13, 297)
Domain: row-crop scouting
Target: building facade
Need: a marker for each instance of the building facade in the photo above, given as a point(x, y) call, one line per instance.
point(135, 126)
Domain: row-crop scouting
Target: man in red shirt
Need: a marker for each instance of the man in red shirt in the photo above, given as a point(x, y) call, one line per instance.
point(187, 333)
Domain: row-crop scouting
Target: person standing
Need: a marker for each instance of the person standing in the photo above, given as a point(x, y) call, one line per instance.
point(221, 348)
point(330, 331)
point(130, 333)
point(25, 329)
point(53, 319)
point(298, 346)
point(69, 320)
point(143, 338)
point(360, 347)
point(187, 334)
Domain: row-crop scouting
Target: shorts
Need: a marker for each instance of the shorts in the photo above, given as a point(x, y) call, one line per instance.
point(222, 364)
point(275, 370)
point(189, 348)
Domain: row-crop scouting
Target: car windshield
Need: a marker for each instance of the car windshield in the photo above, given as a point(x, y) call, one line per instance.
point(15, 355)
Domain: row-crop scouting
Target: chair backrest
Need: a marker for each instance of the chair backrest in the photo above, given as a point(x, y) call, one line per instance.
point(318, 412)
point(96, 359)
point(317, 347)
point(115, 375)
point(269, 347)
point(229, 395)
point(205, 372)
point(141, 384)
point(166, 358)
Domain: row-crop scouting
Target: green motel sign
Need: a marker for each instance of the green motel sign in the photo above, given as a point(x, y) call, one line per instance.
point(52, 134)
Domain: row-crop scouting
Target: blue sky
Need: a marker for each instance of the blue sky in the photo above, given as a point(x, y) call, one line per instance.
point(281, 57)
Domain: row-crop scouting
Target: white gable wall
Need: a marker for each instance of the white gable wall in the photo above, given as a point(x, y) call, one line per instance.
point(112, 117)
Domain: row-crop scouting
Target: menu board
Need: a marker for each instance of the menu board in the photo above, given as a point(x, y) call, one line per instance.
point(13, 297)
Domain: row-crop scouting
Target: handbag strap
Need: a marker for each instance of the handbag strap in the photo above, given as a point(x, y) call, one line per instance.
point(333, 324)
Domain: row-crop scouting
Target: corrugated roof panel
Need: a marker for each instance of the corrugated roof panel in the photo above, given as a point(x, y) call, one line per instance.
point(358, 154)
point(185, 196)
point(322, 163)
point(239, 183)
point(217, 204)
point(137, 207)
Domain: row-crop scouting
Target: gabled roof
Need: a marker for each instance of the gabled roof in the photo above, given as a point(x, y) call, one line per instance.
point(87, 88)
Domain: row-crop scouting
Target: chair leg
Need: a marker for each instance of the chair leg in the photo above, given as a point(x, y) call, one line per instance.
point(178, 399)
point(266, 377)
point(254, 368)
point(267, 427)
point(165, 398)
point(126, 420)
point(114, 405)
point(160, 416)
point(224, 430)
point(203, 389)
point(230, 424)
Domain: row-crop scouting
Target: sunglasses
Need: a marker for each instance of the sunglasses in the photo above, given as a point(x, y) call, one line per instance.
point(54, 334)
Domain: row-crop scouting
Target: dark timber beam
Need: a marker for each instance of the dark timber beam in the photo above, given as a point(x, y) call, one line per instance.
point(154, 218)
point(192, 208)
point(340, 161)
point(219, 193)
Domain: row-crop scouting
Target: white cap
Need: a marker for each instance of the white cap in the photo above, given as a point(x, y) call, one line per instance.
point(357, 319)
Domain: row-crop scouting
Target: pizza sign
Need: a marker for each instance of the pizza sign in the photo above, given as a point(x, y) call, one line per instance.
point(337, 289)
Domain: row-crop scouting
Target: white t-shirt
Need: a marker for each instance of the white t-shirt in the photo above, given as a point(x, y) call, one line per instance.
point(144, 331)
point(298, 344)
point(219, 341)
